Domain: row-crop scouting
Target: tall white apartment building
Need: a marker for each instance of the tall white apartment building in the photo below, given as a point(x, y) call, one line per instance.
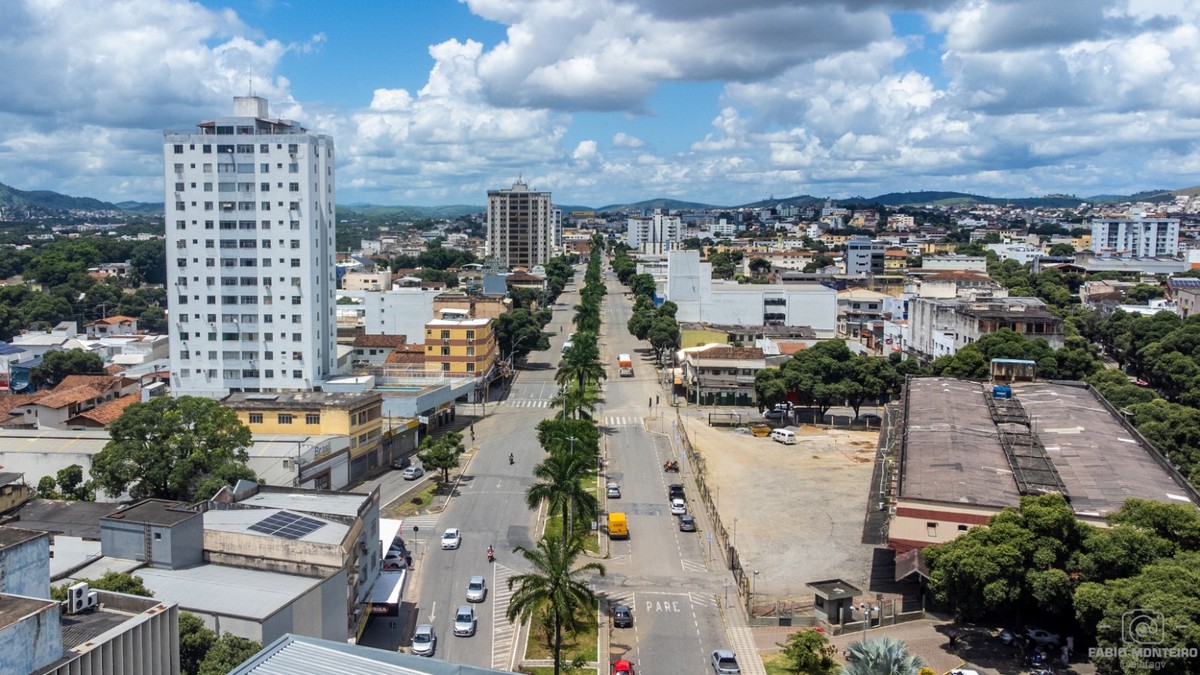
point(657, 233)
point(522, 230)
point(1138, 237)
point(250, 254)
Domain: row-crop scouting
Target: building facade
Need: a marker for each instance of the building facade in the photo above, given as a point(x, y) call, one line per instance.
point(521, 227)
point(460, 347)
point(250, 238)
point(940, 327)
point(864, 256)
point(1136, 237)
point(657, 233)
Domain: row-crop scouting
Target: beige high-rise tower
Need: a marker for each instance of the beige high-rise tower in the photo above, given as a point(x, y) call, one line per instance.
point(521, 229)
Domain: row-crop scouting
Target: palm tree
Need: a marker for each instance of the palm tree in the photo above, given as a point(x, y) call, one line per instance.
point(559, 486)
point(581, 363)
point(577, 402)
point(554, 586)
point(881, 656)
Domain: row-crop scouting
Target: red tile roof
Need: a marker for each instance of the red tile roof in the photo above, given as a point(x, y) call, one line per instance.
point(379, 340)
point(107, 413)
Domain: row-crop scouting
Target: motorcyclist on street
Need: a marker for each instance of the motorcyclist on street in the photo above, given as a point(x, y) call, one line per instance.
point(491, 553)
point(510, 458)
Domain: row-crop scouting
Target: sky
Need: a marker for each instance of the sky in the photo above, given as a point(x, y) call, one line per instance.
point(600, 102)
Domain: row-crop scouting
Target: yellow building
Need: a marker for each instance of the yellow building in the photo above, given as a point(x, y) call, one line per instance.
point(460, 346)
point(356, 415)
point(1082, 243)
point(895, 260)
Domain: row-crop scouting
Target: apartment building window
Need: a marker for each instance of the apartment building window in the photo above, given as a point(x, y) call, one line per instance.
point(295, 243)
point(445, 367)
point(297, 374)
point(445, 351)
point(293, 187)
point(255, 418)
point(445, 335)
point(295, 262)
point(179, 148)
point(264, 147)
point(285, 418)
point(312, 418)
point(470, 367)
point(931, 529)
point(470, 351)
point(297, 337)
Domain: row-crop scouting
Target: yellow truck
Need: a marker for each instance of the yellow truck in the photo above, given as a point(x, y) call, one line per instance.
point(760, 430)
point(618, 526)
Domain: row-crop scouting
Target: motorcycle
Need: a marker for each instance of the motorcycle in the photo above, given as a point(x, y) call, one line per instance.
point(671, 467)
point(491, 555)
point(511, 460)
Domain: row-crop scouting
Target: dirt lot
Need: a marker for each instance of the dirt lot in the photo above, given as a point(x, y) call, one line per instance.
point(798, 508)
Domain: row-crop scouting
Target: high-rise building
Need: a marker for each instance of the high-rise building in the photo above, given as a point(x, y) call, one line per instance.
point(250, 254)
point(1138, 236)
point(864, 256)
point(657, 233)
point(521, 229)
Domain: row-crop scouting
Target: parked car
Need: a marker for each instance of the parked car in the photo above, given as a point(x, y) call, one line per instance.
point(464, 621)
point(476, 589)
point(687, 523)
point(413, 473)
point(871, 419)
point(675, 491)
point(622, 616)
point(451, 539)
point(622, 667)
point(402, 462)
point(613, 491)
point(725, 662)
point(1043, 638)
point(678, 507)
point(774, 414)
point(423, 640)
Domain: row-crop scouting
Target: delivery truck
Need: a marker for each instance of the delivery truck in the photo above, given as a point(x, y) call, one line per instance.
point(625, 364)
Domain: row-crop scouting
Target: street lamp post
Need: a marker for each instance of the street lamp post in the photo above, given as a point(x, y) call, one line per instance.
point(753, 585)
point(866, 610)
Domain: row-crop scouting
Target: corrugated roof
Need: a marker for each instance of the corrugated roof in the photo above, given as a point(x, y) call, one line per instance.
point(253, 594)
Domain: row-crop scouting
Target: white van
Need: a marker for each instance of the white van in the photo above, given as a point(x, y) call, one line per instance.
point(785, 436)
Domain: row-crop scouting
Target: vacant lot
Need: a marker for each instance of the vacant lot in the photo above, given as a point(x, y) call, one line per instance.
point(798, 508)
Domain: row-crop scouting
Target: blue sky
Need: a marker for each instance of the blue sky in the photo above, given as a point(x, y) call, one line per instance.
point(607, 101)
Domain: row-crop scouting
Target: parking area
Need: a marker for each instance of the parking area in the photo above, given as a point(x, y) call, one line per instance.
point(794, 512)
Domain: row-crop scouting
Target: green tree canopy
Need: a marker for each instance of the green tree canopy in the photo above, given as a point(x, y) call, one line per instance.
point(441, 453)
point(57, 365)
point(227, 653)
point(165, 447)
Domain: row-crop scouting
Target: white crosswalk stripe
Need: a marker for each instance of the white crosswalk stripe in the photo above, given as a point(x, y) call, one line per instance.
point(526, 403)
point(504, 633)
point(622, 421)
point(694, 566)
point(702, 599)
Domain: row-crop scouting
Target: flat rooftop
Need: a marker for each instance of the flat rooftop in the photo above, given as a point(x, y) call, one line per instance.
point(954, 453)
point(298, 400)
point(333, 503)
point(229, 591)
point(310, 528)
point(154, 512)
point(15, 607)
point(1101, 464)
point(11, 536)
point(75, 519)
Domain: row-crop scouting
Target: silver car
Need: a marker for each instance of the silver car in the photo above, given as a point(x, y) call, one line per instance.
point(464, 621)
point(724, 662)
point(423, 640)
point(476, 589)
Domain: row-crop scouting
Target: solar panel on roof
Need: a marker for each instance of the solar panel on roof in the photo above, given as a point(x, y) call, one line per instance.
point(287, 525)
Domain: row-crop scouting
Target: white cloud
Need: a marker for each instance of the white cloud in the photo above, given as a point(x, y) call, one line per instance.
point(624, 140)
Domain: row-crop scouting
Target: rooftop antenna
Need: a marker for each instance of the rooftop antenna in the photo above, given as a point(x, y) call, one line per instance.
point(250, 80)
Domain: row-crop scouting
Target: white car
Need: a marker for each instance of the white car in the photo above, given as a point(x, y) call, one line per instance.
point(725, 662)
point(678, 507)
point(613, 491)
point(413, 472)
point(476, 589)
point(464, 621)
point(423, 640)
point(451, 539)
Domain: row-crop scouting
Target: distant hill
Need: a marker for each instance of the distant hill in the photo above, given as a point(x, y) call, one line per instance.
point(664, 204)
point(407, 212)
point(10, 196)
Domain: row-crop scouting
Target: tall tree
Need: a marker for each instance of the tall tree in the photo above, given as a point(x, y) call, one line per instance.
point(165, 447)
point(554, 586)
point(560, 485)
point(576, 402)
point(441, 453)
point(581, 363)
point(57, 365)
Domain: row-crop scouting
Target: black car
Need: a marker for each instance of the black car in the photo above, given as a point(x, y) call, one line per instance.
point(402, 463)
point(675, 491)
point(622, 616)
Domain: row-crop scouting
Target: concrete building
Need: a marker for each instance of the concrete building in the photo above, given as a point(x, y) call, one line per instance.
point(521, 228)
point(1138, 237)
point(367, 281)
point(938, 327)
point(402, 311)
point(965, 456)
point(355, 416)
point(250, 245)
point(656, 233)
point(865, 257)
point(375, 349)
point(1186, 294)
point(76, 395)
point(460, 347)
point(690, 286)
point(941, 263)
point(94, 632)
point(718, 374)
